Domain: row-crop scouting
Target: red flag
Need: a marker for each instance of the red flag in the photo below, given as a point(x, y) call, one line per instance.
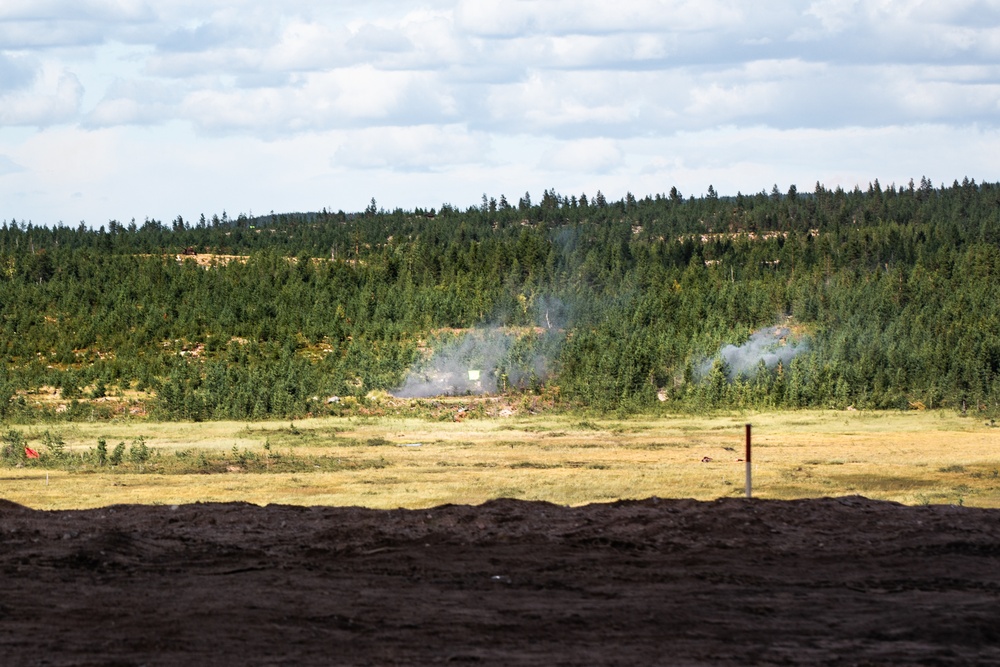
point(30, 453)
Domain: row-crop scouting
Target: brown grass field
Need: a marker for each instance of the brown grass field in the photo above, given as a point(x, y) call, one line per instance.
point(916, 458)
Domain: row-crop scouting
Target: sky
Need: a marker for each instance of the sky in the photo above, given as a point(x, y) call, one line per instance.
point(122, 109)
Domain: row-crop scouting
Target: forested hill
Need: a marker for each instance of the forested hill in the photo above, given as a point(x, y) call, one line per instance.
point(888, 298)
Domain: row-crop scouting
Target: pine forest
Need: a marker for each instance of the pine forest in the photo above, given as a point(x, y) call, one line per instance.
point(885, 298)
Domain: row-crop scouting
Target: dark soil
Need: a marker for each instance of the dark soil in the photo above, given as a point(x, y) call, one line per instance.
point(654, 582)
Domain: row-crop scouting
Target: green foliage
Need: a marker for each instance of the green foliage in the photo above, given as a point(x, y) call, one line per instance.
point(54, 444)
point(100, 390)
point(117, 455)
point(138, 451)
point(101, 454)
point(897, 290)
point(12, 445)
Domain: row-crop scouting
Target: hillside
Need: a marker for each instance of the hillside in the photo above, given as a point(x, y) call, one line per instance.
point(885, 298)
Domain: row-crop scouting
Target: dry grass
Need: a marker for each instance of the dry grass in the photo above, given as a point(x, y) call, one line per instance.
point(913, 458)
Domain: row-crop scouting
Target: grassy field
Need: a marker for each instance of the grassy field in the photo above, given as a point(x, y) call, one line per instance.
point(912, 457)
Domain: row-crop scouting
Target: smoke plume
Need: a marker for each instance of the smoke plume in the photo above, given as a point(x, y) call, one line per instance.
point(482, 361)
point(771, 345)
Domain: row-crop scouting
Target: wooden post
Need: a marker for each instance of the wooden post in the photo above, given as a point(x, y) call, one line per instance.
point(747, 459)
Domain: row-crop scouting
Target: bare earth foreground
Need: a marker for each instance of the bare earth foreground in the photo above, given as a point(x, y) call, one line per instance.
point(827, 581)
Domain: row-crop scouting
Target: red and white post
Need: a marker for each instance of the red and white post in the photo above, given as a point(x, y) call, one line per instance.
point(747, 459)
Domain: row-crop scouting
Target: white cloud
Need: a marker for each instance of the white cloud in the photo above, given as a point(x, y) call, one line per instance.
point(306, 46)
point(16, 72)
point(54, 97)
point(374, 39)
point(102, 10)
point(597, 156)
point(493, 18)
point(936, 100)
point(41, 34)
point(567, 102)
point(60, 161)
point(53, 24)
point(336, 98)
point(509, 18)
point(132, 101)
point(8, 166)
point(174, 172)
point(834, 15)
point(466, 96)
point(419, 148)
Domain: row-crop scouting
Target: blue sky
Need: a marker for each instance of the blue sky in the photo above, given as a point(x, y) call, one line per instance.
point(120, 109)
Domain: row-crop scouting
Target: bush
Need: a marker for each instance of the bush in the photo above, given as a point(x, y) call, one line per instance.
point(139, 451)
point(100, 390)
point(101, 455)
point(12, 445)
point(68, 387)
point(55, 444)
point(118, 454)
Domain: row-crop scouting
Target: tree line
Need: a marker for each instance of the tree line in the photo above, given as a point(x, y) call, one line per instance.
point(892, 291)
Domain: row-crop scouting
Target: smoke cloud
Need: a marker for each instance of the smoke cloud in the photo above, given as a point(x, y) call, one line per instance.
point(482, 361)
point(771, 345)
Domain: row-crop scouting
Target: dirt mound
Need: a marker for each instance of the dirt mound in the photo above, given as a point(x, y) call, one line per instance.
point(831, 581)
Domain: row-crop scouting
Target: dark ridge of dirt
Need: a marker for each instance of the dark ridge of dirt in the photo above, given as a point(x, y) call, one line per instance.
point(841, 581)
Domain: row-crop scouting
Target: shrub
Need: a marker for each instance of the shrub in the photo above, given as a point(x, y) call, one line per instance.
point(101, 455)
point(118, 454)
point(139, 451)
point(12, 447)
point(55, 444)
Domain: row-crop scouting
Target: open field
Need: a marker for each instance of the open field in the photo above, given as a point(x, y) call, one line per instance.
point(913, 457)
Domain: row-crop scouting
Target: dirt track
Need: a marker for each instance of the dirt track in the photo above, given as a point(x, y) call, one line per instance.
point(833, 581)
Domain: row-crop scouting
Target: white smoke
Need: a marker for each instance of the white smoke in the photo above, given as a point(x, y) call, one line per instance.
point(481, 361)
point(772, 346)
